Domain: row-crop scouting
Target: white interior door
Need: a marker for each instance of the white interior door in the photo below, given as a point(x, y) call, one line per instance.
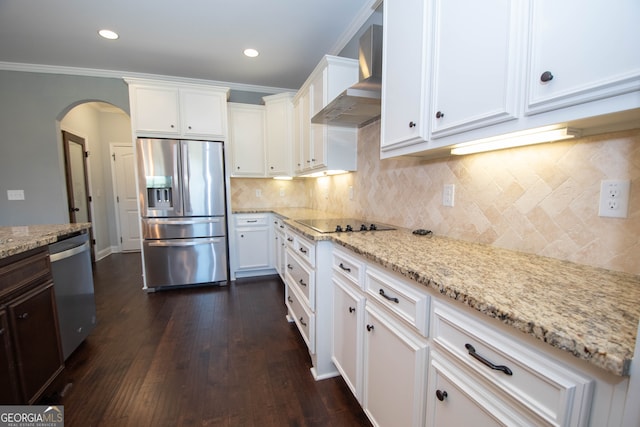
point(124, 185)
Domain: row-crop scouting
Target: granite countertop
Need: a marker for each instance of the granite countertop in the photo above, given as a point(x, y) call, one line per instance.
point(589, 312)
point(15, 240)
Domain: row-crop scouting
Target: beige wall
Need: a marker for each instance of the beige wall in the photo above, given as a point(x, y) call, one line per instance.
point(539, 199)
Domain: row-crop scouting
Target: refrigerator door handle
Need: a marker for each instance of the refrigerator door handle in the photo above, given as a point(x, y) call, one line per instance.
point(153, 221)
point(186, 174)
point(166, 243)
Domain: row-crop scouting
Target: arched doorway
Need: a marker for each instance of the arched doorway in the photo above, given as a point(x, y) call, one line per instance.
point(101, 126)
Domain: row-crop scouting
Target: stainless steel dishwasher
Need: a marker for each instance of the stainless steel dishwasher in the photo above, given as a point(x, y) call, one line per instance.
point(73, 284)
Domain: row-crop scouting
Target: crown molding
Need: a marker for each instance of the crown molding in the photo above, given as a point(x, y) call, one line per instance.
point(113, 74)
point(356, 24)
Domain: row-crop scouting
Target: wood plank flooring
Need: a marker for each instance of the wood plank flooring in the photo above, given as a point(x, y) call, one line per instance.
point(208, 356)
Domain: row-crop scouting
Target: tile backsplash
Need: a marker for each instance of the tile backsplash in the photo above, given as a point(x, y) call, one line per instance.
point(540, 199)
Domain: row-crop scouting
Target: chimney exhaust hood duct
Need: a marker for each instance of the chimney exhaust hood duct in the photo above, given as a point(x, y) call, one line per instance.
point(359, 105)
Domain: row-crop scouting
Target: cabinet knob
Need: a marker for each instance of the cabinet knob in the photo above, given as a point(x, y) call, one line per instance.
point(238, 167)
point(369, 328)
point(172, 126)
point(23, 316)
point(412, 124)
point(242, 235)
point(272, 167)
point(439, 115)
point(189, 127)
point(441, 395)
point(546, 77)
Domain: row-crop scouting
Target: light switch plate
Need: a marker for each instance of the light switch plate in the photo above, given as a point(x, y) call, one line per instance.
point(15, 194)
point(448, 195)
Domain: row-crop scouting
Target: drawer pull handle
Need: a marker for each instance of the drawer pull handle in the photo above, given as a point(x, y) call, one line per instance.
point(302, 282)
point(472, 352)
point(369, 328)
point(441, 395)
point(303, 250)
point(290, 267)
point(252, 220)
point(23, 316)
point(289, 298)
point(394, 299)
point(289, 239)
point(302, 322)
point(352, 309)
point(282, 226)
point(347, 269)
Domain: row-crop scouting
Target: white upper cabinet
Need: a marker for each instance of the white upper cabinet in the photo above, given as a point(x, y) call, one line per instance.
point(405, 59)
point(455, 72)
point(475, 64)
point(246, 135)
point(177, 110)
point(325, 147)
point(582, 51)
point(197, 110)
point(279, 134)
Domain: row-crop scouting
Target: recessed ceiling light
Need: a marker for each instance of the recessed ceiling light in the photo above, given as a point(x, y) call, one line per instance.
point(108, 34)
point(251, 53)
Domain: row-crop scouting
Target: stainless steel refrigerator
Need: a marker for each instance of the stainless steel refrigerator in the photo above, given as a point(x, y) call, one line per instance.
point(183, 208)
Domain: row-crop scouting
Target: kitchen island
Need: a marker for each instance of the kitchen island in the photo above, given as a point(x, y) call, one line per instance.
point(589, 312)
point(18, 239)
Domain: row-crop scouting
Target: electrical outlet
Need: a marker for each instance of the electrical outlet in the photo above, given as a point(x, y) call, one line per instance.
point(351, 192)
point(448, 195)
point(281, 192)
point(614, 198)
point(15, 194)
point(258, 193)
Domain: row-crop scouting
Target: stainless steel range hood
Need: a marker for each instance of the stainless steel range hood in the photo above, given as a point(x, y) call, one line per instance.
point(359, 104)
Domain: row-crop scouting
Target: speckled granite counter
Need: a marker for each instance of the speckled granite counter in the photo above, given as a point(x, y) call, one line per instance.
point(15, 240)
point(590, 312)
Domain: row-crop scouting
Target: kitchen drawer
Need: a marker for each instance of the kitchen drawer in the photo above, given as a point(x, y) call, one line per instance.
point(559, 395)
point(348, 267)
point(302, 317)
point(306, 249)
point(251, 220)
point(24, 269)
point(298, 274)
point(290, 239)
point(403, 299)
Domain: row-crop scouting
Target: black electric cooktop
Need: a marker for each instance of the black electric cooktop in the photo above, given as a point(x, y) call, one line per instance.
point(340, 225)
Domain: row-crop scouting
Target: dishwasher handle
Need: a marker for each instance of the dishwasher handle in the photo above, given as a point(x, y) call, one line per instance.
point(69, 252)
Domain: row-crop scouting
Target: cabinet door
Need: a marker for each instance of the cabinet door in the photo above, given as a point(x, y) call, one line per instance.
point(9, 392)
point(279, 131)
point(394, 371)
point(246, 134)
point(590, 49)
point(305, 131)
point(347, 335)
point(298, 160)
point(475, 64)
point(155, 110)
point(253, 248)
point(318, 145)
point(404, 61)
point(36, 339)
point(203, 113)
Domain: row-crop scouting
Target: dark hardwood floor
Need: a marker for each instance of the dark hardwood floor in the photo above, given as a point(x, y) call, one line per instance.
point(208, 356)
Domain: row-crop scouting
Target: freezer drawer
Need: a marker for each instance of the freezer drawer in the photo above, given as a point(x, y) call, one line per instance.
point(185, 261)
point(183, 228)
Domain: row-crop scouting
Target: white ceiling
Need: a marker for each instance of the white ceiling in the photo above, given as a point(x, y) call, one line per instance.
point(195, 39)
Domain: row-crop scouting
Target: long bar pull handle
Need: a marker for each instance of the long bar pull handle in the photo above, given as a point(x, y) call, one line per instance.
point(472, 352)
point(394, 299)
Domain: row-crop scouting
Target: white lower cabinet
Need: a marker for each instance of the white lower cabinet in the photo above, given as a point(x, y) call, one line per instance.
point(395, 359)
point(413, 357)
point(252, 245)
point(348, 326)
point(308, 298)
point(279, 245)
